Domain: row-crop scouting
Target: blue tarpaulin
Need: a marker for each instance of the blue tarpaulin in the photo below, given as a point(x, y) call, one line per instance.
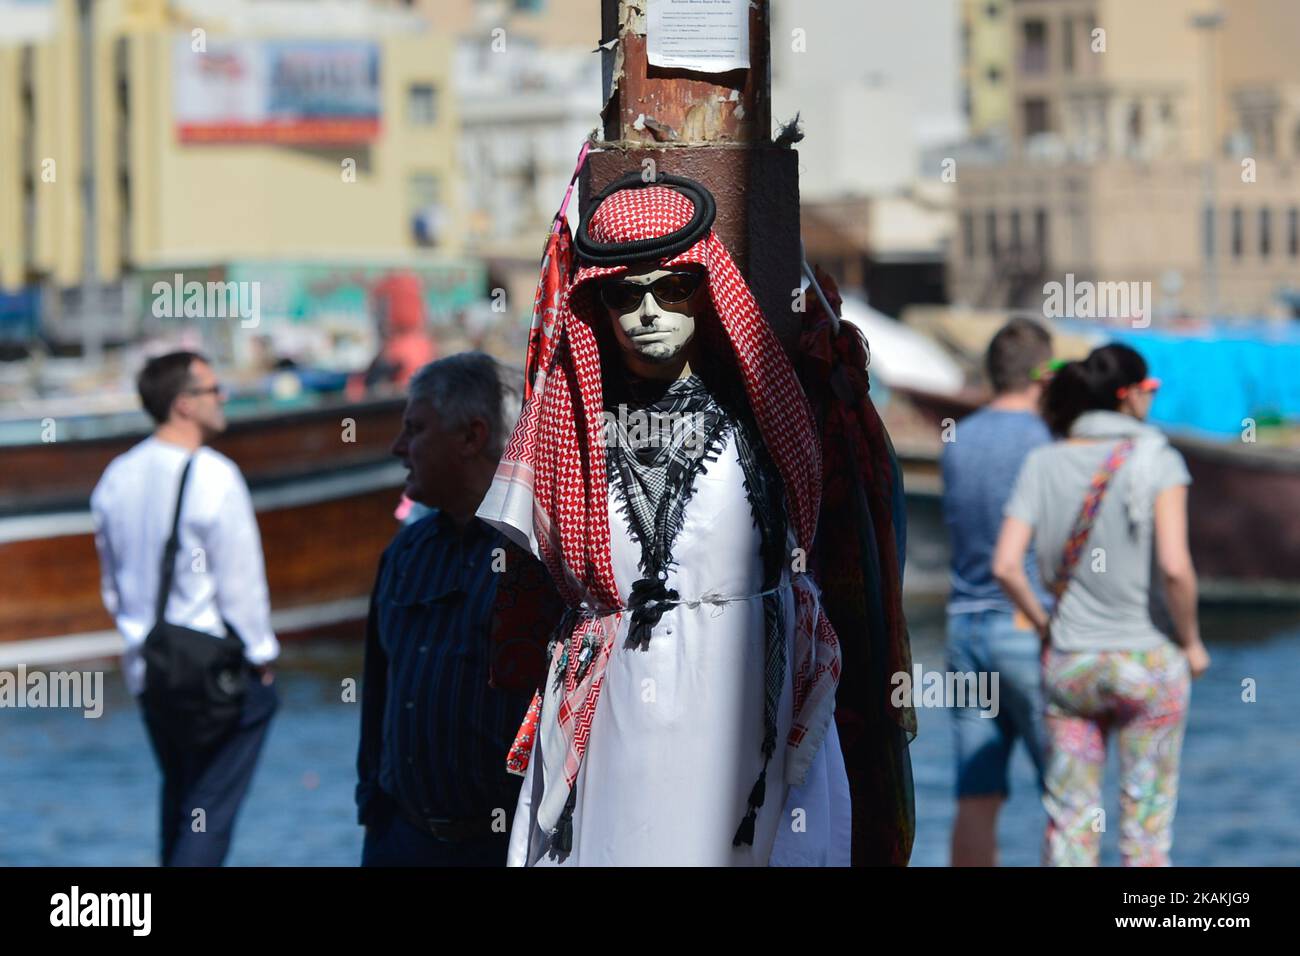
point(1215, 379)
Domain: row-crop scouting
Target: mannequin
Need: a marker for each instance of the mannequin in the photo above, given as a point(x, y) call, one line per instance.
point(686, 716)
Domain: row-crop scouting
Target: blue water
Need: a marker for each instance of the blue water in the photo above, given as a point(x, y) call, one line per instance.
point(84, 792)
point(1239, 799)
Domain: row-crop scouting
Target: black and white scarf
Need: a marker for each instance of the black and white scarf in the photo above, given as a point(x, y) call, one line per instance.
point(655, 448)
point(658, 441)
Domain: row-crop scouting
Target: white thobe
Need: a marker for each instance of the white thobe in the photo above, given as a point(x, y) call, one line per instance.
point(675, 744)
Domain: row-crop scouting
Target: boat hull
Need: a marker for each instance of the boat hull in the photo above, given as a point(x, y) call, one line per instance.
point(321, 540)
point(276, 446)
point(1243, 505)
point(323, 485)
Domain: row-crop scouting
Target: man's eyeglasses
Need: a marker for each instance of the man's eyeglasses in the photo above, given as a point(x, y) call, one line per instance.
point(672, 289)
point(210, 390)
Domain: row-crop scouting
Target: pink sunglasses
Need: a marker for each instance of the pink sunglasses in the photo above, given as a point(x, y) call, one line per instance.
point(1147, 385)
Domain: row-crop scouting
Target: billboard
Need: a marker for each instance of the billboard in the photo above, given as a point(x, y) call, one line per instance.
point(313, 292)
point(309, 92)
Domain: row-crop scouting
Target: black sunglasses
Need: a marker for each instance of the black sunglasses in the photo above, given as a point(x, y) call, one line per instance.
point(672, 289)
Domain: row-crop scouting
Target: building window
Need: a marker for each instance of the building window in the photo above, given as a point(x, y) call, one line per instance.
point(1015, 231)
point(1033, 48)
point(1135, 127)
point(1238, 221)
point(1265, 233)
point(994, 75)
point(968, 235)
point(424, 195)
point(1036, 116)
point(992, 10)
point(1040, 235)
point(1067, 44)
point(991, 232)
point(1208, 224)
point(424, 190)
point(121, 72)
point(421, 105)
point(1293, 232)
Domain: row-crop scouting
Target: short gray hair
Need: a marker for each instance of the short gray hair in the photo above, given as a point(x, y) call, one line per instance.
point(471, 385)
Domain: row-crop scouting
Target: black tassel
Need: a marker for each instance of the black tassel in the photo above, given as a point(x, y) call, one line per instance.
point(745, 832)
point(562, 835)
point(649, 600)
point(759, 793)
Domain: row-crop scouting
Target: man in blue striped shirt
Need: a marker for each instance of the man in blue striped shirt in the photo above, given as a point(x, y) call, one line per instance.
point(433, 788)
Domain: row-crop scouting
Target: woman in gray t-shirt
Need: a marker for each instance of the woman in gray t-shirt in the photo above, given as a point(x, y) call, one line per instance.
point(1123, 642)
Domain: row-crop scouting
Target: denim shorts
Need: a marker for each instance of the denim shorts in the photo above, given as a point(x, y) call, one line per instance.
point(989, 642)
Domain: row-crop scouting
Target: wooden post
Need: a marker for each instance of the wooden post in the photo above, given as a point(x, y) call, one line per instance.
point(712, 127)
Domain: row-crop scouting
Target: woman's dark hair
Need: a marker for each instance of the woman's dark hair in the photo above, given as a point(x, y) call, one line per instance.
point(1090, 385)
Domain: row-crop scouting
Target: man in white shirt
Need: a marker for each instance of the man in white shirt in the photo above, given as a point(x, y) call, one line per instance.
point(219, 581)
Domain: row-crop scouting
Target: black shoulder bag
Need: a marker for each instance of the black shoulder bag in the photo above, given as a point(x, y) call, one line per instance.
point(194, 681)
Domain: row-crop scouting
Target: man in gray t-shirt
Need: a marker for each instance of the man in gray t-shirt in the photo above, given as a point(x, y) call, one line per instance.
point(1114, 601)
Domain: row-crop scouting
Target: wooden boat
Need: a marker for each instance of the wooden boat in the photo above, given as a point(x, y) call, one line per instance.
point(269, 445)
point(323, 485)
point(1243, 503)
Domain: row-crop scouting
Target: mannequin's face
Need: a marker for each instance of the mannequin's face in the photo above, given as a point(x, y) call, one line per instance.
point(655, 332)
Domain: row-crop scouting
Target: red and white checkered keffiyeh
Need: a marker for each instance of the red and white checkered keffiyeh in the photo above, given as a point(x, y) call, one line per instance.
point(550, 489)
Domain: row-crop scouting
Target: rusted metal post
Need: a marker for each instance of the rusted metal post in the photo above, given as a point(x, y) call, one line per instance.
point(712, 127)
point(679, 106)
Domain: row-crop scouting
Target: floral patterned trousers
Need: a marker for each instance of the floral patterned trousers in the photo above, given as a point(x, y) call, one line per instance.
point(1143, 697)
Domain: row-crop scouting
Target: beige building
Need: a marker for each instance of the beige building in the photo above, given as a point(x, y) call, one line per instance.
point(553, 23)
point(529, 88)
point(986, 64)
point(1114, 163)
point(147, 135)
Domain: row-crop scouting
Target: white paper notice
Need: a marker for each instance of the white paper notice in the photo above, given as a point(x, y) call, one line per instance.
point(708, 36)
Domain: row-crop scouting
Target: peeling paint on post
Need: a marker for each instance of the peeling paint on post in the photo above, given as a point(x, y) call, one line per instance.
point(715, 128)
point(702, 108)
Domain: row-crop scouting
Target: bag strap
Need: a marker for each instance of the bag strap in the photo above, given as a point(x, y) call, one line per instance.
point(1087, 516)
point(170, 549)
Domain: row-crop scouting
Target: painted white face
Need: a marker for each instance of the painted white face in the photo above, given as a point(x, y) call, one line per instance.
point(649, 332)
